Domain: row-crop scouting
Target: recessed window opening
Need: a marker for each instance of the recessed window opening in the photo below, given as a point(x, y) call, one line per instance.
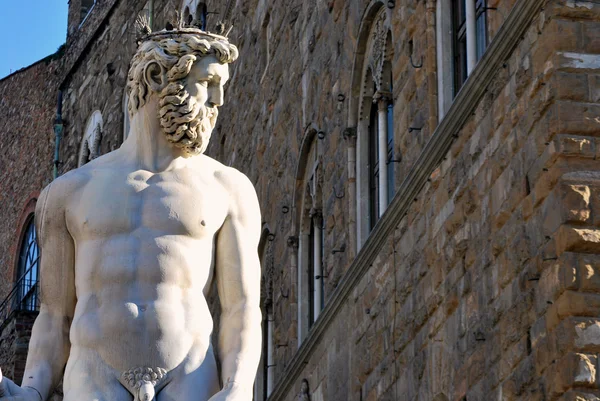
point(311, 288)
point(390, 145)
point(375, 159)
point(481, 28)
point(187, 16)
point(86, 9)
point(373, 166)
point(28, 270)
point(469, 38)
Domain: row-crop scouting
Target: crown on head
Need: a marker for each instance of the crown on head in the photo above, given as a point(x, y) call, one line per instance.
point(176, 26)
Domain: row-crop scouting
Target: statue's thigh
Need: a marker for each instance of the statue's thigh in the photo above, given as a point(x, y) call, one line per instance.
point(198, 385)
point(184, 393)
point(83, 394)
point(87, 378)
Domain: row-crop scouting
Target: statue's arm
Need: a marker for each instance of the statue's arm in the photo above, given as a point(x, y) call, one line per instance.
point(49, 345)
point(237, 272)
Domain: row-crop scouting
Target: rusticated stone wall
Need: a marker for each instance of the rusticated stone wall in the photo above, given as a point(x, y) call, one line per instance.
point(98, 79)
point(488, 289)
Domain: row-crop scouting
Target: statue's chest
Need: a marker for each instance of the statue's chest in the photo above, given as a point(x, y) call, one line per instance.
point(165, 204)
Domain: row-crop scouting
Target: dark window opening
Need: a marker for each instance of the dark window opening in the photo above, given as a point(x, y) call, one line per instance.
point(481, 27)
point(459, 43)
point(28, 272)
point(459, 38)
point(373, 167)
point(322, 256)
point(390, 147)
point(86, 7)
point(265, 352)
point(311, 274)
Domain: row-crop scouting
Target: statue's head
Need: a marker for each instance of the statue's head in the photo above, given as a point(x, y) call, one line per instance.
point(186, 70)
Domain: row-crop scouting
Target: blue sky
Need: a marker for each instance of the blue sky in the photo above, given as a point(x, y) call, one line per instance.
point(30, 31)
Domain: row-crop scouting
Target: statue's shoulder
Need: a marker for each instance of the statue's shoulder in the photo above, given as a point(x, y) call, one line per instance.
point(234, 180)
point(65, 184)
point(229, 177)
point(53, 200)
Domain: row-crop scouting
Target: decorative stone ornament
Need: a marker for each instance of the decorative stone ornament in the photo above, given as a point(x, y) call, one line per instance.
point(378, 55)
point(304, 395)
point(90, 143)
point(378, 46)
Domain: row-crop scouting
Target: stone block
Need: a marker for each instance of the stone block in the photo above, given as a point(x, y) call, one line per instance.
point(577, 239)
point(591, 36)
point(580, 395)
point(573, 369)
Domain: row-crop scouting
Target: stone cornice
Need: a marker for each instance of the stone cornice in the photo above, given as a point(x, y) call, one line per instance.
point(507, 38)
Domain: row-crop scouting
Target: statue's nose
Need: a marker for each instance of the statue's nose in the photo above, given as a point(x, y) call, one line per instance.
point(215, 96)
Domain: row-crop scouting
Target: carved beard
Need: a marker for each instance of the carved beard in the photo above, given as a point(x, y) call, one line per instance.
point(186, 123)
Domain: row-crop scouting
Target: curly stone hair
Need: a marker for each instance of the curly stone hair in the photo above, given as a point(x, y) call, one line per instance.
point(176, 54)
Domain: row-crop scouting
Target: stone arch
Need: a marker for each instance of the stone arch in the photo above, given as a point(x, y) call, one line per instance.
point(371, 80)
point(378, 52)
point(90, 143)
point(24, 218)
point(308, 227)
point(360, 55)
point(309, 138)
point(28, 267)
point(190, 9)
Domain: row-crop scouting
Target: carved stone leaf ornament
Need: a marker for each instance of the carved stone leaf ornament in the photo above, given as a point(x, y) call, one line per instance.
point(375, 59)
point(379, 38)
point(90, 145)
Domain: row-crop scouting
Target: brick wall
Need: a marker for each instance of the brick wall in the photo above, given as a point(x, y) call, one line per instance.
point(27, 111)
point(14, 343)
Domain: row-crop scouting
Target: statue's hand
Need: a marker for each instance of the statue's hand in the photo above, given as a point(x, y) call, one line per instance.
point(9, 391)
point(231, 392)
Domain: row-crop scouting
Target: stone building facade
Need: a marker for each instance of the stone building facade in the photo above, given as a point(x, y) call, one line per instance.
point(428, 179)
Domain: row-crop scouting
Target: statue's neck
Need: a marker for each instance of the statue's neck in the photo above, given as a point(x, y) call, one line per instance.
point(147, 145)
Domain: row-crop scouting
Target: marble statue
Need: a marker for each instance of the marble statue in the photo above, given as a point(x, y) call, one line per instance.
point(132, 241)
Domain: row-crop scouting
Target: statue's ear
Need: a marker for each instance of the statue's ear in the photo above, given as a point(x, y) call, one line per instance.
point(155, 76)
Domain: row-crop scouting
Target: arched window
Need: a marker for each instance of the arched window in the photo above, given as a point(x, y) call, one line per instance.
point(461, 35)
point(310, 225)
point(375, 126)
point(194, 12)
point(90, 144)
point(86, 9)
point(28, 270)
